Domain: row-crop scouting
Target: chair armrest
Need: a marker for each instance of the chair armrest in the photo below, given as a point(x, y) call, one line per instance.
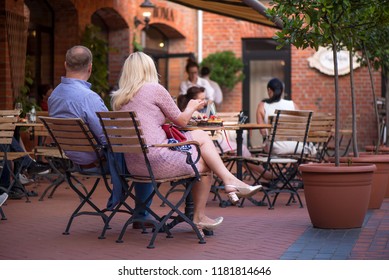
point(189, 159)
point(193, 143)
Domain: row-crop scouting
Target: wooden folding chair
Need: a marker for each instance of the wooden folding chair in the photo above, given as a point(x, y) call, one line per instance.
point(73, 135)
point(8, 119)
point(124, 134)
point(46, 150)
point(345, 138)
point(320, 132)
point(286, 126)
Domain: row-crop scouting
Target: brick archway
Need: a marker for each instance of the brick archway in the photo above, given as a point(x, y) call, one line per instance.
point(116, 32)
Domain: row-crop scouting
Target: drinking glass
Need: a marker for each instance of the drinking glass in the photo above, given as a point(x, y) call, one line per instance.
point(18, 106)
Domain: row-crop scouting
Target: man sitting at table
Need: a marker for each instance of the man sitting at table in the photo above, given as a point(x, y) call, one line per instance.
point(73, 98)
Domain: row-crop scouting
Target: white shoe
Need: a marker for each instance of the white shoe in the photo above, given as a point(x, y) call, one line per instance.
point(3, 198)
point(24, 180)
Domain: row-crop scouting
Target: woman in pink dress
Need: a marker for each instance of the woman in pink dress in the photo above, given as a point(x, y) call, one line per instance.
point(140, 91)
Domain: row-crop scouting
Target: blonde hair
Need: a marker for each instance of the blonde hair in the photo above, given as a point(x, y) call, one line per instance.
point(138, 69)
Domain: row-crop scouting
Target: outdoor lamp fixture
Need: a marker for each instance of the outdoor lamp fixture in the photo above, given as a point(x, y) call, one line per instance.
point(147, 8)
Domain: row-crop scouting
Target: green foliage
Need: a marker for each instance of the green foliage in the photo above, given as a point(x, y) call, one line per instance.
point(99, 48)
point(334, 23)
point(226, 68)
point(23, 96)
point(377, 46)
point(137, 46)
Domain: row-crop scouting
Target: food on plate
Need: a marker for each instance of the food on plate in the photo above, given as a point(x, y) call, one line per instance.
point(203, 120)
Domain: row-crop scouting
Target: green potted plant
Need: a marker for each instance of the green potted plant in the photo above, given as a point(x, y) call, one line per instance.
point(226, 69)
point(371, 31)
point(92, 39)
point(24, 97)
point(333, 199)
point(376, 55)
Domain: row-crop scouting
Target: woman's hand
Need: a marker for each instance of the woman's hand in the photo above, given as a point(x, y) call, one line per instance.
point(193, 106)
point(196, 105)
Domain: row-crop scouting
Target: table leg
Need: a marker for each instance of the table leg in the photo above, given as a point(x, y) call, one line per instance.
point(239, 144)
point(189, 208)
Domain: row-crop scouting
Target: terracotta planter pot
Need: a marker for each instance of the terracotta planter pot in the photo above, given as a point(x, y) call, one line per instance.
point(380, 184)
point(381, 149)
point(337, 196)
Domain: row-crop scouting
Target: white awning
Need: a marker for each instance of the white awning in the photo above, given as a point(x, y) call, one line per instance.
point(249, 10)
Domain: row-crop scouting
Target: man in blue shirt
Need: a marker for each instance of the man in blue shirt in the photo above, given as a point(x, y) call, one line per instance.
point(73, 98)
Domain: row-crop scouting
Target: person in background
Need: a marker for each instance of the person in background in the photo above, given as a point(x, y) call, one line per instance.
point(29, 168)
point(192, 69)
point(267, 107)
point(45, 91)
point(140, 91)
point(218, 94)
point(225, 144)
point(73, 98)
point(195, 92)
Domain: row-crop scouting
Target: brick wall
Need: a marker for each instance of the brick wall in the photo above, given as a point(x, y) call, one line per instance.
point(6, 94)
point(310, 88)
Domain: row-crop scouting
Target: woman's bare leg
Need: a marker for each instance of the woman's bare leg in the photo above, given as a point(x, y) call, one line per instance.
point(200, 193)
point(210, 159)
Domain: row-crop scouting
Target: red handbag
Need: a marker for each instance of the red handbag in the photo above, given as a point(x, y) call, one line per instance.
point(173, 132)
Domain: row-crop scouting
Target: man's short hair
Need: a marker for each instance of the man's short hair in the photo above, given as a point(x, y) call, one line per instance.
point(78, 58)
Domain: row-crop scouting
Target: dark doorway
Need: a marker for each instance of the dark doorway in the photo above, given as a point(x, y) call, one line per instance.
point(262, 61)
point(40, 43)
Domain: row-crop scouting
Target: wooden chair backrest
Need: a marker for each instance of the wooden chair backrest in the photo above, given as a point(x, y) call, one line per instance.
point(123, 132)
point(320, 129)
point(290, 125)
point(8, 119)
point(41, 131)
point(229, 117)
point(71, 134)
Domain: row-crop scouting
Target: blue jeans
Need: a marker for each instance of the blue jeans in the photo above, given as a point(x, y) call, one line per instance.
point(116, 165)
point(24, 161)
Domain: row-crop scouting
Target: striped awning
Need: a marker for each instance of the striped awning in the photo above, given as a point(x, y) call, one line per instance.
point(249, 10)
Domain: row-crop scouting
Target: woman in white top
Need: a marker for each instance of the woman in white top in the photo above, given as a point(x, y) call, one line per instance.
point(192, 69)
point(267, 107)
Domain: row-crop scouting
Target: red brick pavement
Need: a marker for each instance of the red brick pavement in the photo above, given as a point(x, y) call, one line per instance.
point(373, 242)
point(33, 231)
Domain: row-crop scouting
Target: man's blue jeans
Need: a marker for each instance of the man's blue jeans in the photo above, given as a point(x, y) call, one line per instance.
point(116, 165)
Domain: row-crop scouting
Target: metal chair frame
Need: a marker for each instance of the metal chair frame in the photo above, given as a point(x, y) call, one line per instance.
point(124, 134)
point(64, 131)
point(286, 126)
point(8, 119)
point(48, 151)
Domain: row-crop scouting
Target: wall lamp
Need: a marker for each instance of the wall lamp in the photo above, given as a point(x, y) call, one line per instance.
point(147, 8)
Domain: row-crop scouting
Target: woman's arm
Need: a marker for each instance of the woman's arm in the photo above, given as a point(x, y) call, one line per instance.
point(193, 106)
point(261, 116)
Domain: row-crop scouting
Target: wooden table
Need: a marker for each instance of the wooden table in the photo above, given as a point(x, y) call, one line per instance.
point(28, 124)
point(239, 128)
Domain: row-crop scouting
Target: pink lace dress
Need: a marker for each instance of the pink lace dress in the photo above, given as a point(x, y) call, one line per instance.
point(153, 105)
